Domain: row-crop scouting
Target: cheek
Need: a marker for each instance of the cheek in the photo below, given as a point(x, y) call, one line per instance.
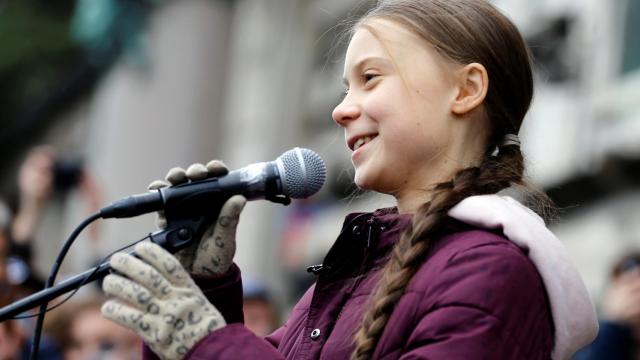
point(417, 141)
point(429, 118)
point(390, 99)
point(379, 106)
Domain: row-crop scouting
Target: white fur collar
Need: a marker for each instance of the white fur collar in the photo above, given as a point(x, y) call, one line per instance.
point(574, 315)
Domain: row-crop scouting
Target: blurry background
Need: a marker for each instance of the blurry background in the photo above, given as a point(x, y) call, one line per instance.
point(127, 89)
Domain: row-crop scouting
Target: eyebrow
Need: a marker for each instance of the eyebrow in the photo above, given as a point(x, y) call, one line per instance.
point(362, 62)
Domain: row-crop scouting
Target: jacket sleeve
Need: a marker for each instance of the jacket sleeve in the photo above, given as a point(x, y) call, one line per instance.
point(232, 342)
point(235, 341)
point(486, 302)
point(224, 292)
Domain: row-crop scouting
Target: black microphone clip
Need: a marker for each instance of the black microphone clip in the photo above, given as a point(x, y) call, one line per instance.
point(179, 234)
point(182, 229)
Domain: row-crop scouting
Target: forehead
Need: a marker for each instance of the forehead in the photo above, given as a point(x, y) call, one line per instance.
point(381, 37)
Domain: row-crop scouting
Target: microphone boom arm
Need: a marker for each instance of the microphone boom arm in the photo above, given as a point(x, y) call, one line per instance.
point(175, 237)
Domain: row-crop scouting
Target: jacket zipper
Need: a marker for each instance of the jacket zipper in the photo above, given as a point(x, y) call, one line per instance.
point(319, 268)
point(360, 275)
point(370, 223)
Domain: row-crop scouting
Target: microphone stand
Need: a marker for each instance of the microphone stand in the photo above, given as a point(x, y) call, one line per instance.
point(177, 235)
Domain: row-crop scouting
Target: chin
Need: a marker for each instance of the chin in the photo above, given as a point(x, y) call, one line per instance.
point(360, 180)
point(365, 182)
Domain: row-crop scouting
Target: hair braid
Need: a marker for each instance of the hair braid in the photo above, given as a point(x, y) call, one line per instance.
point(492, 175)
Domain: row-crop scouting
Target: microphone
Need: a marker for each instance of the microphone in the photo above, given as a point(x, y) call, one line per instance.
point(298, 173)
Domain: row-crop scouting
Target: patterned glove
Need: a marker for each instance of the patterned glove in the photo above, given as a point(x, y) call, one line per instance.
point(157, 299)
point(213, 254)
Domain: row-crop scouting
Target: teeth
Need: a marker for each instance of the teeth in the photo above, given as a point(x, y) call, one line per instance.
point(361, 141)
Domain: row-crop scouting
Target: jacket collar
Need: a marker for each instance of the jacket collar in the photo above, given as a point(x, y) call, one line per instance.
point(364, 241)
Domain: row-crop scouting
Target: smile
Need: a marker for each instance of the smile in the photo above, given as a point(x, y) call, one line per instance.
point(362, 141)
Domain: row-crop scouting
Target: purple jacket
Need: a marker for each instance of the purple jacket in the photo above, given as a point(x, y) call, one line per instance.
point(477, 296)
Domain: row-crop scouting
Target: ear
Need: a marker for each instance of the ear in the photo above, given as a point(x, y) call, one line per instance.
point(472, 88)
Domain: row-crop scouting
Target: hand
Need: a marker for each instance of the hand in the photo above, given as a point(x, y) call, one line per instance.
point(35, 186)
point(35, 177)
point(157, 299)
point(622, 300)
point(213, 254)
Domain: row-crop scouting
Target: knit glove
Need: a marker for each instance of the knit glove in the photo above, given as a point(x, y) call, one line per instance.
point(213, 254)
point(157, 299)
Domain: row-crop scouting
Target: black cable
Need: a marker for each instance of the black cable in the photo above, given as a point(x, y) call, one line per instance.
point(35, 343)
point(83, 283)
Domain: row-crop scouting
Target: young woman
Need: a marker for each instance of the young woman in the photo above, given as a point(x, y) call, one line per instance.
point(436, 93)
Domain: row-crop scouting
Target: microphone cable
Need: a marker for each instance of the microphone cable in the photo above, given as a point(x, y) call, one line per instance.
point(35, 342)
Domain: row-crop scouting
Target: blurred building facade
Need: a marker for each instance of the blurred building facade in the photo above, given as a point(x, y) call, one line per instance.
point(246, 80)
point(582, 137)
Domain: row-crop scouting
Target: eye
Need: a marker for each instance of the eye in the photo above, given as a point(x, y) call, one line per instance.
point(367, 77)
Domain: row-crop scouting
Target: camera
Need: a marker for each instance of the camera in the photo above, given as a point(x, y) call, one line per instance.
point(67, 174)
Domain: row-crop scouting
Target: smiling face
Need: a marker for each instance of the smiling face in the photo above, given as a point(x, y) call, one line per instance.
point(398, 113)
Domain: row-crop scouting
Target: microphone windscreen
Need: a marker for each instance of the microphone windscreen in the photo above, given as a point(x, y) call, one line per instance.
point(303, 172)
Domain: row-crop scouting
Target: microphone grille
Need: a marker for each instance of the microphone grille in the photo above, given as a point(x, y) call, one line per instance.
point(303, 172)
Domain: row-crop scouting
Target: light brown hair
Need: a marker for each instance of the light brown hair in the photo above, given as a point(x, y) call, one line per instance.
point(462, 31)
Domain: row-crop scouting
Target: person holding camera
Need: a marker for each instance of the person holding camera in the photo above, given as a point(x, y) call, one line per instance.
point(42, 174)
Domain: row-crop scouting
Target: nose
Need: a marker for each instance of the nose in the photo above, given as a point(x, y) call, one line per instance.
point(345, 111)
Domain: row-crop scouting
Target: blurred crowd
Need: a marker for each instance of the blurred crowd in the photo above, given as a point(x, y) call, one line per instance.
point(76, 330)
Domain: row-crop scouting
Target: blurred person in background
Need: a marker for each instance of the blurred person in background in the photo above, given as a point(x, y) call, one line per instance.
point(35, 188)
point(18, 277)
point(12, 336)
point(43, 174)
point(15, 336)
point(436, 93)
point(40, 176)
point(260, 312)
point(619, 335)
point(83, 334)
point(5, 243)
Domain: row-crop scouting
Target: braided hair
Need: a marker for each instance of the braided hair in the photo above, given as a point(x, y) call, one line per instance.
point(463, 31)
